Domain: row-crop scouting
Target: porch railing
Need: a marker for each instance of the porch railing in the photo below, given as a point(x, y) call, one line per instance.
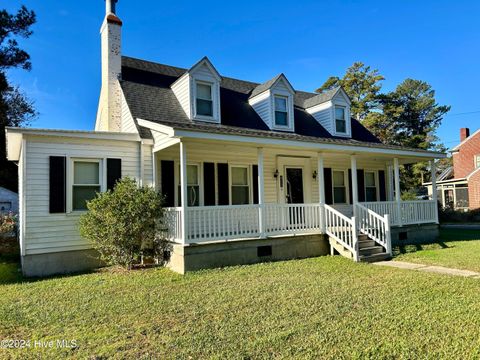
point(376, 226)
point(407, 212)
point(342, 229)
point(209, 223)
point(292, 218)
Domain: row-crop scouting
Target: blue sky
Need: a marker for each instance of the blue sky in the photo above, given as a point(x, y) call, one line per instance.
point(435, 41)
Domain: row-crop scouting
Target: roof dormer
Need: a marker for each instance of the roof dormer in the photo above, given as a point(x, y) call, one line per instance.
point(198, 91)
point(332, 110)
point(273, 102)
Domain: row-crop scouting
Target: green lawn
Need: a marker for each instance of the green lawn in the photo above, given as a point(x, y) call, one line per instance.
point(326, 307)
point(457, 249)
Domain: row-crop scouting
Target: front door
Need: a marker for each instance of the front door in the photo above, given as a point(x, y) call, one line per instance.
point(294, 185)
point(294, 195)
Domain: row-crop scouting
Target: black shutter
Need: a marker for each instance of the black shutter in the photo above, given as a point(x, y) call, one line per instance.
point(114, 172)
point(361, 185)
point(255, 183)
point(57, 184)
point(382, 185)
point(167, 182)
point(209, 184)
point(350, 186)
point(223, 193)
point(327, 177)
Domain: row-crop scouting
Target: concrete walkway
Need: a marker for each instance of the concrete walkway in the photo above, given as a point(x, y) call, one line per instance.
point(429, 268)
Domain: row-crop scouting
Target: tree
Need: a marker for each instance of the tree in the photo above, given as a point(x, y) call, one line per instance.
point(410, 116)
point(15, 108)
point(121, 223)
point(362, 85)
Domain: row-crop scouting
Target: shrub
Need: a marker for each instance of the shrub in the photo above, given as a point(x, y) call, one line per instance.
point(448, 215)
point(122, 223)
point(8, 222)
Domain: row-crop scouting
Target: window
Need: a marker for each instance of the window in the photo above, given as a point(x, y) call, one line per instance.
point(281, 112)
point(204, 99)
point(339, 189)
point(193, 186)
point(86, 182)
point(370, 186)
point(240, 187)
point(340, 122)
point(477, 161)
point(5, 206)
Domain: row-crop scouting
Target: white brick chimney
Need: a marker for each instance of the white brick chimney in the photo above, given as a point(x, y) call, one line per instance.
point(110, 107)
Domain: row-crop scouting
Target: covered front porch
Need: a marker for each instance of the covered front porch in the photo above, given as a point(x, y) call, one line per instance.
point(219, 191)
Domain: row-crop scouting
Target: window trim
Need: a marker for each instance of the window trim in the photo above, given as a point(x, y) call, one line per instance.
point(287, 106)
point(476, 161)
point(377, 185)
point(249, 182)
point(70, 178)
point(344, 119)
point(345, 181)
point(211, 118)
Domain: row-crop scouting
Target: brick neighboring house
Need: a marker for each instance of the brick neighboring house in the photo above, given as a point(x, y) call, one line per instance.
point(459, 186)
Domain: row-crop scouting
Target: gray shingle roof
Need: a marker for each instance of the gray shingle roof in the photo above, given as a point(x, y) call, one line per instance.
point(320, 98)
point(265, 86)
point(146, 86)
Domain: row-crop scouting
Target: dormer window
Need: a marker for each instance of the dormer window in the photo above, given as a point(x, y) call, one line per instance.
point(281, 111)
point(204, 102)
point(340, 120)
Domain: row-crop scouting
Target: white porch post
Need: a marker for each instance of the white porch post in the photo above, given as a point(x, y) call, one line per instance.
point(396, 170)
point(261, 194)
point(321, 191)
point(354, 199)
point(183, 190)
point(434, 187)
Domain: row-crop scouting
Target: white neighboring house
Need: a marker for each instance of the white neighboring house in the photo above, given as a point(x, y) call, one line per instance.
point(8, 201)
point(250, 171)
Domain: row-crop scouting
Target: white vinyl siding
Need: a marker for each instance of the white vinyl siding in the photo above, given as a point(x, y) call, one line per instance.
point(261, 105)
point(128, 124)
point(181, 89)
point(45, 232)
point(323, 114)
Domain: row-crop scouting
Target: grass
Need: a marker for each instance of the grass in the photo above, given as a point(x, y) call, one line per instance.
point(327, 307)
point(456, 249)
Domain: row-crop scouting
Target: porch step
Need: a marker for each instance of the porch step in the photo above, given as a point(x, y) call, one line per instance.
point(365, 243)
point(375, 257)
point(372, 250)
point(363, 237)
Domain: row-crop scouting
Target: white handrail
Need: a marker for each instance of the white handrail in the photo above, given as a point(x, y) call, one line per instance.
point(377, 227)
point(342, 229)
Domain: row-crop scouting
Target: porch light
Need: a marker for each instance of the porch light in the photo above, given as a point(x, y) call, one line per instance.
point(314, 175)
point(275, 174)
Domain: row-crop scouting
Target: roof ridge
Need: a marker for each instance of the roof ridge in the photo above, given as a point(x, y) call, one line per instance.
point(223, 77)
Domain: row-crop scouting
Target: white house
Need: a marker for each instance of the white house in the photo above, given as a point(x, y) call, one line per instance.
point(250, 171)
